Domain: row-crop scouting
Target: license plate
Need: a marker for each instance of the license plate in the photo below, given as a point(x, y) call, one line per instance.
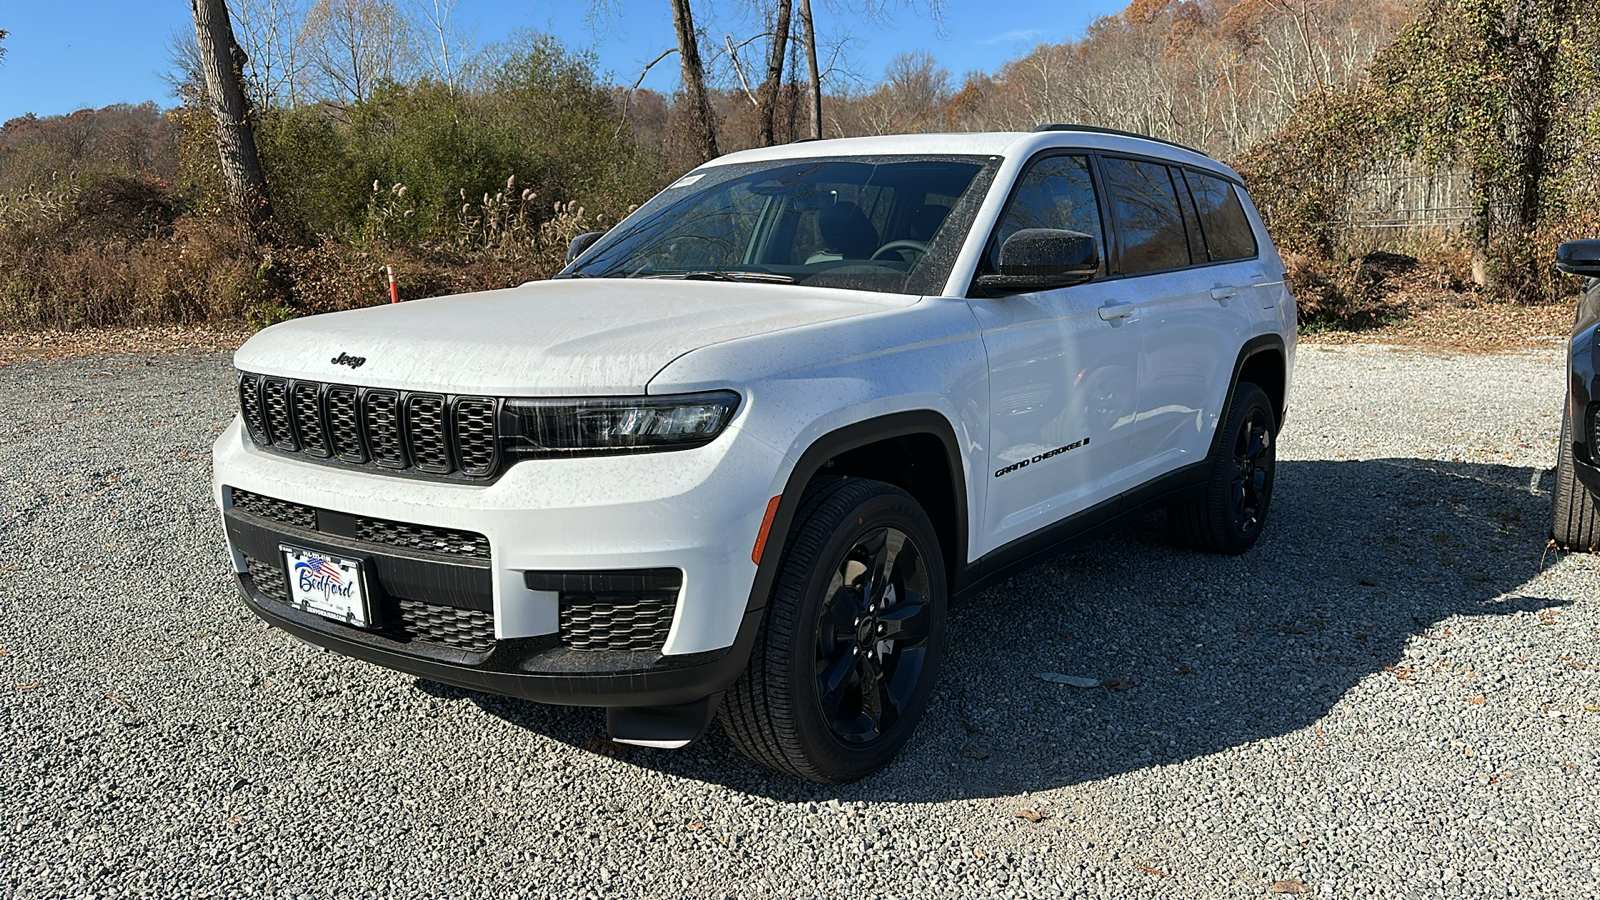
point(328, 585)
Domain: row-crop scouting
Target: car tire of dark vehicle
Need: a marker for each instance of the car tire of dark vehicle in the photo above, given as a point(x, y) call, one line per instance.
point(850, 644)
point(1574, 524)
point(1228, 517)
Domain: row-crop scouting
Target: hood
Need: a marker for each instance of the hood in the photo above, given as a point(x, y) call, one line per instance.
point(545, 338)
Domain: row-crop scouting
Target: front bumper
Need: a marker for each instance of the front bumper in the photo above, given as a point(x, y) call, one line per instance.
point(696, 512)
point(530, 668)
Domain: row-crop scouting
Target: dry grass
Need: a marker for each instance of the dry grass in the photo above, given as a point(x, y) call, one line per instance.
point(163, 340)
point(1461, 323)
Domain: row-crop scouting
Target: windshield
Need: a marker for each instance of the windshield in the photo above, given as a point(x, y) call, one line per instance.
point(883, 223)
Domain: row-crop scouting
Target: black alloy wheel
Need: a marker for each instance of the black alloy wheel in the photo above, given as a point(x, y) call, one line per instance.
point(849, 647)
point(1253, 461)
point(1229, 513)
point(872, 636)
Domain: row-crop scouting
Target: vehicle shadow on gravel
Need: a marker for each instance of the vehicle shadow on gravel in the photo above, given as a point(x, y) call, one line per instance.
point(1196, 653)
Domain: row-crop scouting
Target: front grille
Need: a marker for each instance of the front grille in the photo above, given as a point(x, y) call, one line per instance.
point(422, 537)
point(617, 621)
point(277, 510)
point(432, 435)
point(399, 618)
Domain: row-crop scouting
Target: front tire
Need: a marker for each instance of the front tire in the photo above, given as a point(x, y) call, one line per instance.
point(850, 645)
point(1229, 516)
point(1574, 524)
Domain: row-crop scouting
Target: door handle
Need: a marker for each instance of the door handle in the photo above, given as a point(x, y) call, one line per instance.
point(1224, 294)
point(1113, 311)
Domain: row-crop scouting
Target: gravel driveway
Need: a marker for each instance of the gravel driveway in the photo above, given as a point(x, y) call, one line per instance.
point(1396, 694)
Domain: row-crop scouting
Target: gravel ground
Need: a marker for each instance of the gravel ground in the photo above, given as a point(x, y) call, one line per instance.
point(1396, 694)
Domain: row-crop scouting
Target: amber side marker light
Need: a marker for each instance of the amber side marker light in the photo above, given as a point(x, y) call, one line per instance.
point(766, 526)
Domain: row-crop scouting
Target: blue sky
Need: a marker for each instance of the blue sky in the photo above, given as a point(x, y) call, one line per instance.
point(64, 55)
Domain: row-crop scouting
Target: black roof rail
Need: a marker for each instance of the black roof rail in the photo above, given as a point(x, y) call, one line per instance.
point(1095, 129)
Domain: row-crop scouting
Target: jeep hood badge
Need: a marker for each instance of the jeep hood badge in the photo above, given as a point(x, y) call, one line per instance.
point(345, 359)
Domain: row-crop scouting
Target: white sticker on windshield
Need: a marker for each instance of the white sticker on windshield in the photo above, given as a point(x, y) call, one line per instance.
point(687, 180)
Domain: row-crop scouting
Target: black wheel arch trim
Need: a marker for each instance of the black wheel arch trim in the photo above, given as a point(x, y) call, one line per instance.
point(852, 437)
point(1261, 343)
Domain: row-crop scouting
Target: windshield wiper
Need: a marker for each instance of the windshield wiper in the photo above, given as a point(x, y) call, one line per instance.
point(714, 275)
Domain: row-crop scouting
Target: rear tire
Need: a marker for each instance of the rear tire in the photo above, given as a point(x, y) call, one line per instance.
point(1229, 516)
point(849, 647)
point(1574, 524)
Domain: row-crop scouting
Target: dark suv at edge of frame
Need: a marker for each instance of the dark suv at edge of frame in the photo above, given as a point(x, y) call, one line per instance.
point(1574, 522)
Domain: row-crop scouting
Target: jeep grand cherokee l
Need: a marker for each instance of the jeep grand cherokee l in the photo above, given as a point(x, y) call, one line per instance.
point(735, 461)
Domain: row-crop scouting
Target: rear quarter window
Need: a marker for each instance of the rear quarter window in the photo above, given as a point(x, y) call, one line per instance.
point(1222, 219)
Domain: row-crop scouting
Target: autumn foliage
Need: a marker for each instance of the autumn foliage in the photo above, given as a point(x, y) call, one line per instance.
point(1461, 135)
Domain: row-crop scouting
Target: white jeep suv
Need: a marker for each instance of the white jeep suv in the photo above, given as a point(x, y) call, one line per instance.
point(741, 454)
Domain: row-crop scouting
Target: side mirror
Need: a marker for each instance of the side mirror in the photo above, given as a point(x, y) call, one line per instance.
point(1581, 258)
point(1038, 259)
point(581, 243)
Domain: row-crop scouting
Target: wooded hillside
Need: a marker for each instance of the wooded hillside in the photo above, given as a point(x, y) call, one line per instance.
point(1461, 134)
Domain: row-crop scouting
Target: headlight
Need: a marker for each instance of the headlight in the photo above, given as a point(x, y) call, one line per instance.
point(590, 427)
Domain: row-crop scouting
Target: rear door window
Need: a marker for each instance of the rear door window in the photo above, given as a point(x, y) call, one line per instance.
point(1150, 232)
point(1227, 228)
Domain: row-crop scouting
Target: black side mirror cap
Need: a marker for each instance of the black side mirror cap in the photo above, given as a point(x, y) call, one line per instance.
point(1581, 258)
point(581, 243)
point(1039, 259)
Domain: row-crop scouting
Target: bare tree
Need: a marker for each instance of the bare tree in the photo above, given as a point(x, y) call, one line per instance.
point(702, 139)
point(777, 54)
point(444, 44)
point(353, 45)
point(223, 62)
point(269, 31)
point(912, 98)
point(814, 77)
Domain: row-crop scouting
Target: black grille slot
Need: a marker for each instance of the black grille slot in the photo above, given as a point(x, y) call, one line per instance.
point(383, 428)
point(275, 396)
point(629, 621)
point(250, 408)
point(281, 511)
point(463, 629)
point(430, 447)
point(421, 434)
point(476, 443)
point(448, 541)
point(344, 425)
point(268, 578)
point(304, 401)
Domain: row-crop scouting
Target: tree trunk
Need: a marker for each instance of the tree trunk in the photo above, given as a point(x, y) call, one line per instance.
point(777, 53)
point(811, 68)
point(703, 138)
point(223, 64)
point(1533, 39)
